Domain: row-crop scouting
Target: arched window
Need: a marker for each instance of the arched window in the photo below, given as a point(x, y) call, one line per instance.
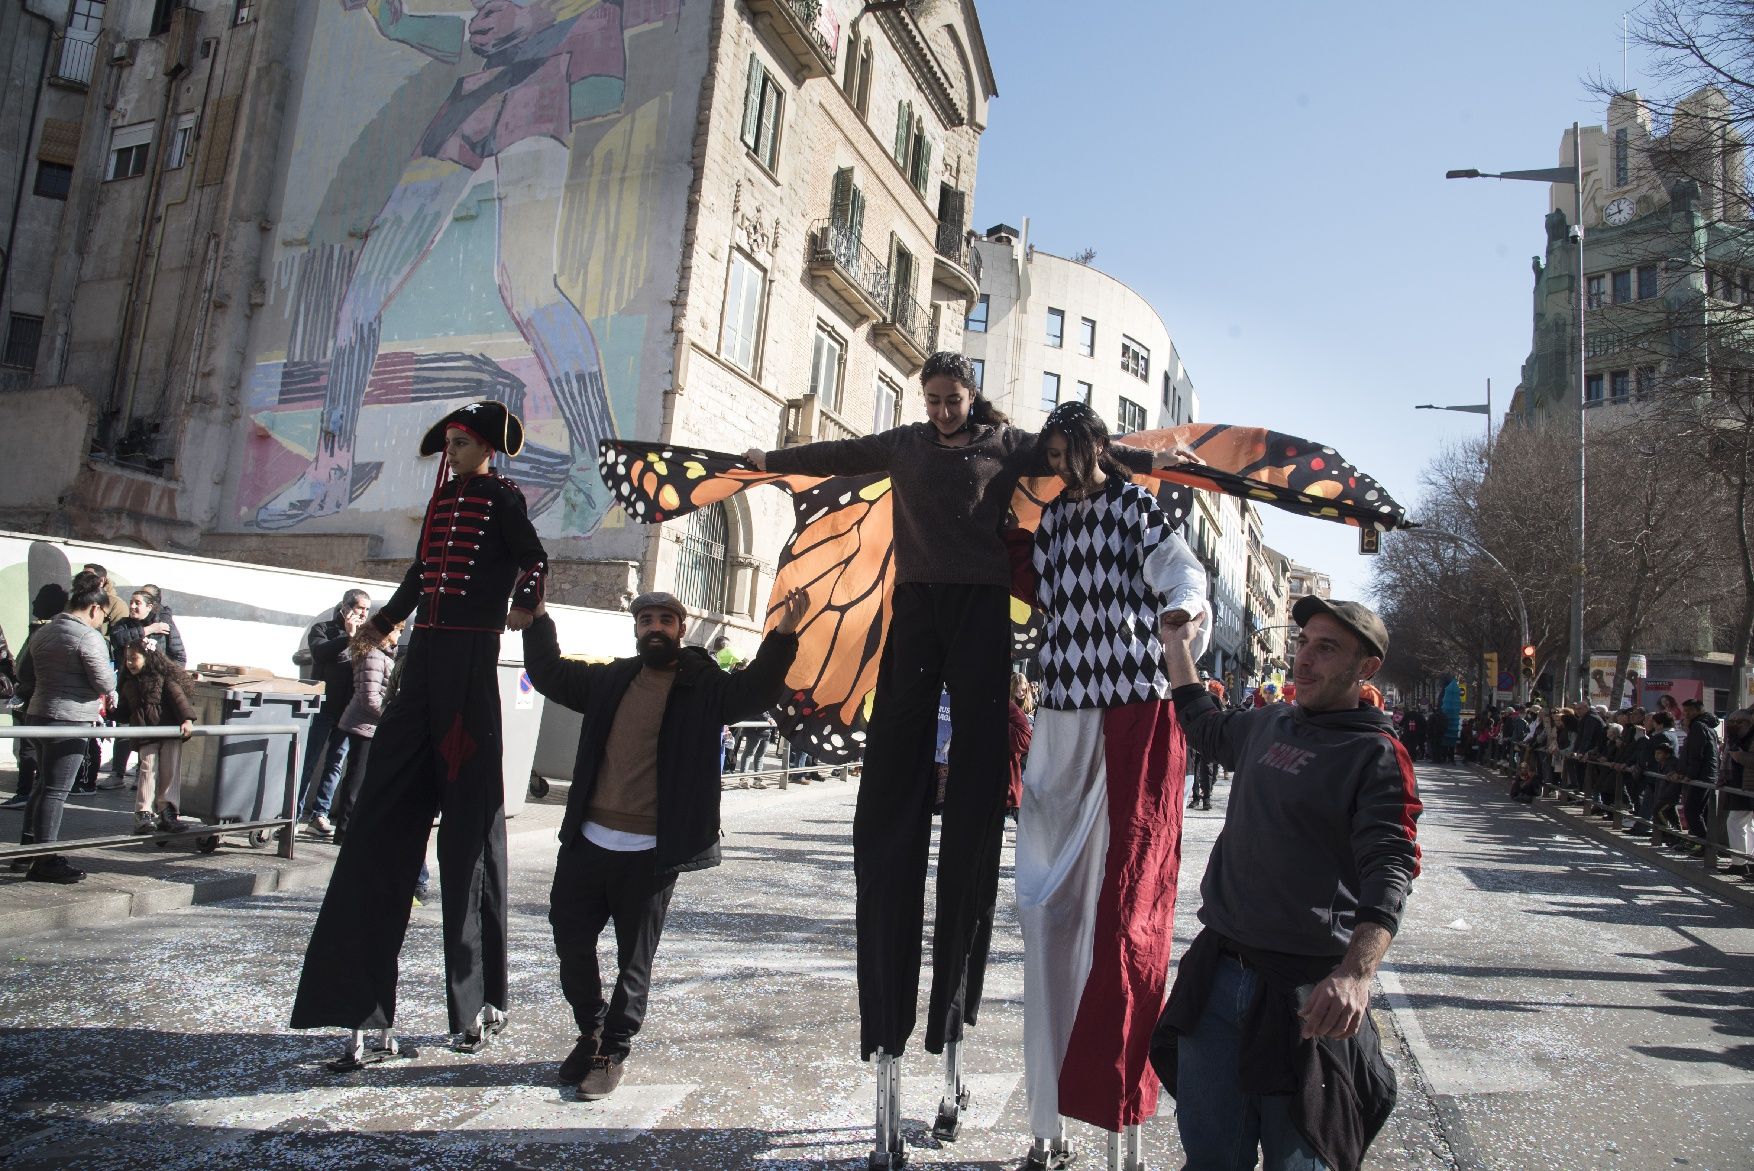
point(703, 560)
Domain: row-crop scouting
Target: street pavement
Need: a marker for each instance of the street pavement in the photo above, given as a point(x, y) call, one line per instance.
point(1548, 1004)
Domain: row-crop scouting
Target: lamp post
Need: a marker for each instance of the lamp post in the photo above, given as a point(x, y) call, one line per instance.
point(1574, 674)
point(1484, 408)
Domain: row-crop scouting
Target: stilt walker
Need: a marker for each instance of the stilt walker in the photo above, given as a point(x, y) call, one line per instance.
point(1099, 829)
point(437, 751)
point(952, 479)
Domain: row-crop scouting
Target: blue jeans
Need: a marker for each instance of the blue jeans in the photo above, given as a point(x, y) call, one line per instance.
point(326, 750)
point(1220, 1125)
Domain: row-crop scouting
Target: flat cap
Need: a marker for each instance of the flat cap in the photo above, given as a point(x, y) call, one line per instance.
point(1354, 616)
point(658, 600)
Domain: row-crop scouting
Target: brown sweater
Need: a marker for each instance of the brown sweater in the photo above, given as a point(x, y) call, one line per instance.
point(950, 502)
point(626, 795)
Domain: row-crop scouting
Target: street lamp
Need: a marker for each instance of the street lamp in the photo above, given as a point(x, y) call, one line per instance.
point(1574, 675)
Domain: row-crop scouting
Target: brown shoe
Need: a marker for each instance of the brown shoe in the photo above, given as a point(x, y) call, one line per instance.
point(605, 1075)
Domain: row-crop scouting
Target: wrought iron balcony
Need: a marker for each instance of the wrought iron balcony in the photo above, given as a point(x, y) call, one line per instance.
point(904, 331)
point(806, 30)
point(956, 263)
point(846, 271)
point(74, 61)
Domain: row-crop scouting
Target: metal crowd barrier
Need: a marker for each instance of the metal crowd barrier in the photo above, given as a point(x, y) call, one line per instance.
point(1560, 784)
point(786, 775)
point(286, 826)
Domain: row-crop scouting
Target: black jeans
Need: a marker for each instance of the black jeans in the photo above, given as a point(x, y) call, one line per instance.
point(61, 762)
point(1205, 775)
point(594, 887)
point(358, 755)
point(941, 637)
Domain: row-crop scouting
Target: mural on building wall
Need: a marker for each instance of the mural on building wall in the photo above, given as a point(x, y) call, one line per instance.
point(491, 207)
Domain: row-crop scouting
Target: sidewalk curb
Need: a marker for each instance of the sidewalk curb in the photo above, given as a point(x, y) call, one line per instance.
point(1687, 870)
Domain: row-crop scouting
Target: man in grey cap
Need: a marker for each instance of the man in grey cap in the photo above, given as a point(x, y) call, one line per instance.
point(638, 815)
point(1303, 892)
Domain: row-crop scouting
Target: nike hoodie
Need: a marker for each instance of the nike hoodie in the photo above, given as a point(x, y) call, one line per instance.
point(1320, 832)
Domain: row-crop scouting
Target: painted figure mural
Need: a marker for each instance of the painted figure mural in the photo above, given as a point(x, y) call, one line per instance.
point(498, 166)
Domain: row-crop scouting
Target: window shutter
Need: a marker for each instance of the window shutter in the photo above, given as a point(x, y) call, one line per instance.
point(216, 150)
point(752, 103)
point(840, 198)
point(59, 142)
point(904, 118)
point(771, 100)
point(923, 163)
point(856, 214)
point(952, 208)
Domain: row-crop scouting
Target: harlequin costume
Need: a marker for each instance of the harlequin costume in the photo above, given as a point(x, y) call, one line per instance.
point(1099, 832)
point(437, 751)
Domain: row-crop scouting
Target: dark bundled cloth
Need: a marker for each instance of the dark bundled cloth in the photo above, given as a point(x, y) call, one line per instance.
point(1343, 1090)
point(950, 502)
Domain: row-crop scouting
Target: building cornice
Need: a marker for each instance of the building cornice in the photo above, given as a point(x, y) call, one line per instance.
point(909, 40)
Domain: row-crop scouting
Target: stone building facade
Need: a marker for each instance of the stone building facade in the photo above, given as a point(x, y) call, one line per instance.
point(1665, 256)
point(294, 234)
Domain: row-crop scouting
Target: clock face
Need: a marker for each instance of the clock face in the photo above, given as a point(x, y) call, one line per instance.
point(1619, 211)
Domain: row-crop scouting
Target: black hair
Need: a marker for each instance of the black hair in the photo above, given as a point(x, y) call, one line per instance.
point(94, 567)
point(85, 579)
point(84, 596)
point(949, 364)
point(348, 601)
point(158, 664)
point(1087, 441)
point(50, 601)
point(1663, 718)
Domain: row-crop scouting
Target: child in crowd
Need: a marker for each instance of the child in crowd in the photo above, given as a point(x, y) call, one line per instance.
point(153, 692)
point(373, 660)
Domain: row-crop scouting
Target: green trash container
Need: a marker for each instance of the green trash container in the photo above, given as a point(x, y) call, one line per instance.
point(243, 778)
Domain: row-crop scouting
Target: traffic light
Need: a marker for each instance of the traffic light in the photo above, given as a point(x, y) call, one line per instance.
point(1528, 662)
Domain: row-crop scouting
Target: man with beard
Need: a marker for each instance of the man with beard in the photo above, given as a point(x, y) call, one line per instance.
point(639, 814)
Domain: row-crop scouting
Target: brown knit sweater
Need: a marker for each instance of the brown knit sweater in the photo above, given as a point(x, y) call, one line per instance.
point(950, 502)
point(626, 795)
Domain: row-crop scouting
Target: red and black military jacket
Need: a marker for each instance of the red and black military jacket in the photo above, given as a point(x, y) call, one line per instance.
point(478, 550)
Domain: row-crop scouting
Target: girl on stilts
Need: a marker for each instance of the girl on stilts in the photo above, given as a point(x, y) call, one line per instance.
point(1099, 831)
point(437, 749)
point(952, 478)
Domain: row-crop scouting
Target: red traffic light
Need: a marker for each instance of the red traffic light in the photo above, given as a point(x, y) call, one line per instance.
point(1528, 652)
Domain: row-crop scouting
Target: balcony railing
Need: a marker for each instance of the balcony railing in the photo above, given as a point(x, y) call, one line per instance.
point(808, 32)
point(855, 275)
point(958, 264)
point(808, 420)
point(905, 331)
point(74, 61)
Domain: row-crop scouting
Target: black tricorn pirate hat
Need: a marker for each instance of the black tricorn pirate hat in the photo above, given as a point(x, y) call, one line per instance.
point(488, 421)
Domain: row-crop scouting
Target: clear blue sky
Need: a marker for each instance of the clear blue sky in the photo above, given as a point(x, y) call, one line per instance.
point(1270, 177)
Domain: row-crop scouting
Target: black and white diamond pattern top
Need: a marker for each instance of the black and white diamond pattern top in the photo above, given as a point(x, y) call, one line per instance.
point(1105, 568)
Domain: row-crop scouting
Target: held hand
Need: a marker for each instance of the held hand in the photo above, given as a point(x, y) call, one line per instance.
point(1174, 457)
point(792, 611)
point(1336, 1008)
point(159, 628)
point(757, 457)
point(352, 623)
point(518, 620)
point(540, 610)
point(1179, 626)
point(187, 727)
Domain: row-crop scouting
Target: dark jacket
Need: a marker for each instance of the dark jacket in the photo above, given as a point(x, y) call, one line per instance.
point(1737, 795)
point(477, 548)
point(1592, 733)
point(170, 642)
point(1343, 1090)
point(332, 663)
point(1699, 754)
point(702, 701)
point(1319, 835)
point(148, 701)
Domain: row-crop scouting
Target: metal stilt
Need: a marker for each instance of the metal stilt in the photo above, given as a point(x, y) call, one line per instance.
point(888, 1151)
point(1051, 1154)
point(1126, 1150)
point(359, 1054)
point(956, 1095)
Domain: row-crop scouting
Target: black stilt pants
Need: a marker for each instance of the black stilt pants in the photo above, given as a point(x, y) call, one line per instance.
point(436, 751)
point(941, 637)
point(594, 887)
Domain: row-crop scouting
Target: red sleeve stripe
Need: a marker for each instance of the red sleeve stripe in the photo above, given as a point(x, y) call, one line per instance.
point(1411, 806)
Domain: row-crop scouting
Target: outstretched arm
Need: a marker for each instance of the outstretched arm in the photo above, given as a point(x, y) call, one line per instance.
point(439, 37)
